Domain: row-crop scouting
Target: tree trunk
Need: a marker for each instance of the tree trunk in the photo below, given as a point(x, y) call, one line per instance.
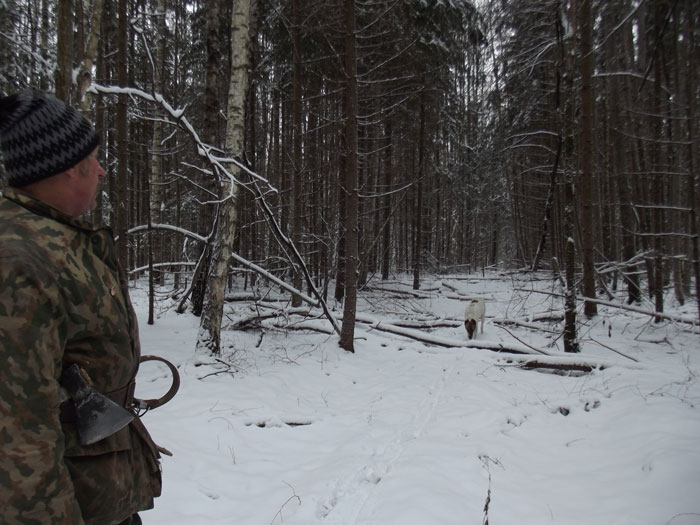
point(658, 178)
point(63, 76)
point(211, 111)
point(622, 149)
point(586, 156)
point(155, 181)
point(209, 336)
point(122, 157)
point(570, 332)
point(547, 211)
point(297, 144)
point(85, 73)
point(350, 183)
point(692, 161)
point(386, 223)
point(418, 229)
point(565, 114)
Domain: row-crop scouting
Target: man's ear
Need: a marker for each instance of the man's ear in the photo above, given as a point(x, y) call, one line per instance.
point(71, 172)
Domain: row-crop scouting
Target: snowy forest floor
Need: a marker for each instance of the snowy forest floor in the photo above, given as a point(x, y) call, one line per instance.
point(286, 427)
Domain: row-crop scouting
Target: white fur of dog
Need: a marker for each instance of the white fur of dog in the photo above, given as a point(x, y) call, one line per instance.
point(475, 312)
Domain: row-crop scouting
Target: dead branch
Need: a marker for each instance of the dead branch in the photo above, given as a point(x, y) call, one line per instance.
point(494, 346)
point(686, 319)
point(560, 367)
point(524, 356)
point(427, 325)
point(524, 324)
point(256, 320)
point(412, 293)
point(548, 317)
point(452, 287)
point(268, 276)
point(253, 321)
point(562, 363)
point(235, 297)
point(306, 326)
point(289, 247)
point(613, 350)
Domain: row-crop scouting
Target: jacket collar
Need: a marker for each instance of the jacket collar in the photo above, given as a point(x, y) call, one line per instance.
point(38, 207)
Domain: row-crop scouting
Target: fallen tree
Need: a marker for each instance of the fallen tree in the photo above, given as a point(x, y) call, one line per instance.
point(685, 319)
point(514, 354)
point(526, 357)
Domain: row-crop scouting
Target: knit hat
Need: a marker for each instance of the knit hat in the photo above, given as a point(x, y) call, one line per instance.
point(40, 136)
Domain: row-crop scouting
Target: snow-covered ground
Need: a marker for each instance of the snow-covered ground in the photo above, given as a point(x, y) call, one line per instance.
point(285, 427)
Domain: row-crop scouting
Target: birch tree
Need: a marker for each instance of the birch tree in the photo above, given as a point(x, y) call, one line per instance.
point(209, 336)
point(88, 62)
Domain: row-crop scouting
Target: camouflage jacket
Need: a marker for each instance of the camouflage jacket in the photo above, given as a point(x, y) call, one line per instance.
point(63, 300)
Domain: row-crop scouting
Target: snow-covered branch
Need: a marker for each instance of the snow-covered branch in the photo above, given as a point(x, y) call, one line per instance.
point(219, 163)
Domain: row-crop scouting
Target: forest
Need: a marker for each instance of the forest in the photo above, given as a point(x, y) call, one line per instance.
point(323, 145)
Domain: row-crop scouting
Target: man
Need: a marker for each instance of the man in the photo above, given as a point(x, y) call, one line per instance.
point(63, 301)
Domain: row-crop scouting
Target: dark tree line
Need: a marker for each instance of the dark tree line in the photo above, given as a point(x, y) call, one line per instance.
point(386, 136)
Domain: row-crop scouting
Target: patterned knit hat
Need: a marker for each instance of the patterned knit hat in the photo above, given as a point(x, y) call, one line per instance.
point(40, 136)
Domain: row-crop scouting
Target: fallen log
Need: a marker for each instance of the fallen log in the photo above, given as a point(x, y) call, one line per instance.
point(494, 346)
point(523, 356)
point(686, 319)
point(562, 363)
point(413, 293)
point(427, 325)
point(255, 321)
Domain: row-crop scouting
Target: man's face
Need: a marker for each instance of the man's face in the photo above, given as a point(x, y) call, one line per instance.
point(86, 185)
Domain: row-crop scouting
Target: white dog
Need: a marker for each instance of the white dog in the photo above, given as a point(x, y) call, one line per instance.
point(476, 310)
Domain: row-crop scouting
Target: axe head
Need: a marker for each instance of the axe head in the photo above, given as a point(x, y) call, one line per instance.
point(96, 415)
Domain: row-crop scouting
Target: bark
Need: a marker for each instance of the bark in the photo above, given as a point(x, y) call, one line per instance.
point(85, 73)
point(350, 183)
point(565, 97)
point(547, 211)
point(341, 265)
point(155, 181)
point(586, 155)
point(388, 165)
point(418, 217)
point(209, 336)
point(297, 206)
point(211, 111)
point(122, 157)
point(64, 50)
point(692, 161)
point(621, 150)
point(658, 178)
point(570, 332)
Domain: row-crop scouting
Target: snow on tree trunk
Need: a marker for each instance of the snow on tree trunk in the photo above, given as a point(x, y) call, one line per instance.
point(209, 336)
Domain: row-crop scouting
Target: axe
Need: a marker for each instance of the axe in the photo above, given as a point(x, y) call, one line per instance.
point(96, 415)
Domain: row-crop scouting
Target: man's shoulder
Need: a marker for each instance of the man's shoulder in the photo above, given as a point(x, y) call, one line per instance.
point(27, 235)
point(14, 217)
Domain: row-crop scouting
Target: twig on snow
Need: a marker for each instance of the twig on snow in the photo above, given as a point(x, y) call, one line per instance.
point(292, 497)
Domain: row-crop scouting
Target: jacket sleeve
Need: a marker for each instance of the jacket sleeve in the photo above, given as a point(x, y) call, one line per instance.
point(35, 486)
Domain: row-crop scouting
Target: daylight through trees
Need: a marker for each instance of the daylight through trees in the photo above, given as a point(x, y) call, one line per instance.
point(330, 144)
